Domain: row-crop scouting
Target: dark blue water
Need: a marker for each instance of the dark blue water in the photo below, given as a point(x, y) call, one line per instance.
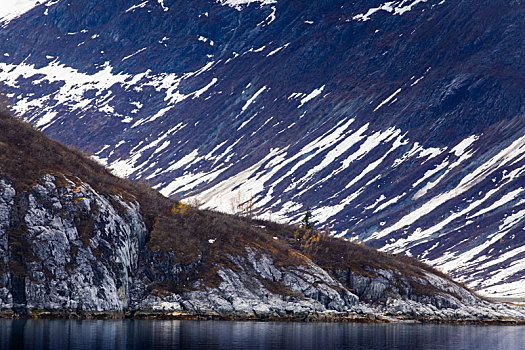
point(58, 334)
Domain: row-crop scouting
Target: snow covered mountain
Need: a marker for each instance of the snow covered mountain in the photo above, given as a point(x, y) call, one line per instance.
point(399, 123)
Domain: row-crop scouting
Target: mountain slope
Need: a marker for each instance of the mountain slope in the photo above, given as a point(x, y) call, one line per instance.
point(401, 124)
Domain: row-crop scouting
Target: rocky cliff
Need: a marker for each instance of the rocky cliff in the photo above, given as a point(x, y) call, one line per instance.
point(77, 242)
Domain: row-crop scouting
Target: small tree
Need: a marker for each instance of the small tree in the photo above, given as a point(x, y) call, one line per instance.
point(305, 222)
point(4, 104)
point(194, 203)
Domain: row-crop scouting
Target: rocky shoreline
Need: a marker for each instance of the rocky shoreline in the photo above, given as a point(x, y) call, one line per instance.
point(323, 317)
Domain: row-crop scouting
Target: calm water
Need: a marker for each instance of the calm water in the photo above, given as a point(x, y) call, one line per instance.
point(21, 334)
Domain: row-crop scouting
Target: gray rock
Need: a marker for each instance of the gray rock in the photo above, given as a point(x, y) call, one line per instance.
point(85, 249)
point(7, 194)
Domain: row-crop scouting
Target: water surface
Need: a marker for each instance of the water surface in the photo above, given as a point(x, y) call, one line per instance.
point(138, 334)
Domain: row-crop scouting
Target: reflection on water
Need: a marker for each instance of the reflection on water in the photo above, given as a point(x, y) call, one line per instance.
point(129, 334)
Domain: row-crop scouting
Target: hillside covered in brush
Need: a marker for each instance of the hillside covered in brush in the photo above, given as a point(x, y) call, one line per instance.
point(75, 241)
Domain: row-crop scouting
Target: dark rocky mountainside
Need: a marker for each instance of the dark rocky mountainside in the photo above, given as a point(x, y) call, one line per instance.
point(76, 241)
point(399, 123)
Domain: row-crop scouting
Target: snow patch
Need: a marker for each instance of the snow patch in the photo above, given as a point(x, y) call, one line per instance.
point(253, 98)
point(394, 7)
point(388, 99)
point(141, 5)
point(11, 9)
point(277, 50)
point(311, 96)
point(161, 3)
point(460, 148)
point(133, 54)
point(270, 19)
point(238, 4)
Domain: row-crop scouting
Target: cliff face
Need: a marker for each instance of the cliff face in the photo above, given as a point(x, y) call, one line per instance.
point(6, 202)
point(67, 247)
point(77, 242)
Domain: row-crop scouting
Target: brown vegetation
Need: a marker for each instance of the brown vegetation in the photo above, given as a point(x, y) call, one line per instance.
point(333, 254)
point(26, 154)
